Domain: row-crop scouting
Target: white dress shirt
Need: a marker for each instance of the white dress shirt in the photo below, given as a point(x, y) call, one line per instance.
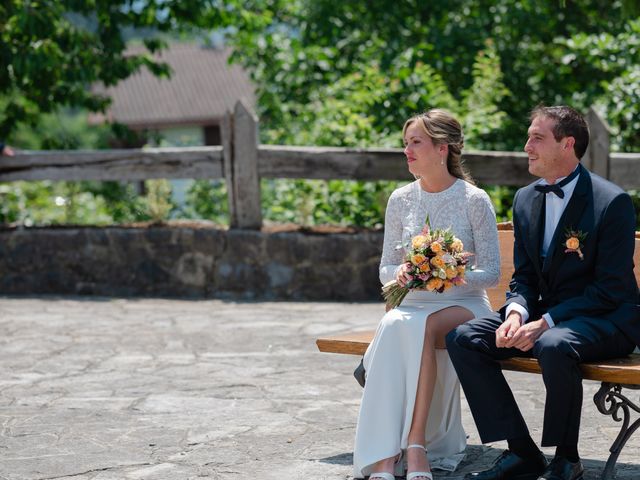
point(554, 207)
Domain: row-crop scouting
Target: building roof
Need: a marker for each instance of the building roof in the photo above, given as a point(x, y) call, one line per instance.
point(202, 87)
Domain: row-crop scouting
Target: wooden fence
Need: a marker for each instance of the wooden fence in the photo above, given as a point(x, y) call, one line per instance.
point(242, 161)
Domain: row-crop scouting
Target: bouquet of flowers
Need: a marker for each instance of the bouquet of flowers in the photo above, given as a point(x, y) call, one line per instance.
point(436, 262)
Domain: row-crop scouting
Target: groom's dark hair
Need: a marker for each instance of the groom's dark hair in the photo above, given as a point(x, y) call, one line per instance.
point(569, 123)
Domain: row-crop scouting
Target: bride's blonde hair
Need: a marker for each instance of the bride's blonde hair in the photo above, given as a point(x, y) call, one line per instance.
point(443, 128)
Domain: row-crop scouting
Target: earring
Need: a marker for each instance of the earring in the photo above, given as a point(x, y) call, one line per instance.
point(441, 160)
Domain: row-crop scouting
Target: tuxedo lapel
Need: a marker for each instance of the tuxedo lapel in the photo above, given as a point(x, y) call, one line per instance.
point(537, 229)
point(569, 219)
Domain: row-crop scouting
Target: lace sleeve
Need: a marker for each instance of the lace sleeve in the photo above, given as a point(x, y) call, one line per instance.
point(392, 256)
point(485, 238)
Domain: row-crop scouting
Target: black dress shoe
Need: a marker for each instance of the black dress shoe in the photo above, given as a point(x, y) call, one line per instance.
point(510, 466)
point(562, 469)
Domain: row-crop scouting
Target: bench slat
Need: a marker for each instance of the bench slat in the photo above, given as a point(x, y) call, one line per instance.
point(352, 343)
point(624, 370)
point(620, 370)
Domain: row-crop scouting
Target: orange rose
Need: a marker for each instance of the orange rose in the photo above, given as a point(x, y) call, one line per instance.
point(419, 241)
point(434, 284)
point(418, 258)
point(573, 243)
point(437, 262)
point(424, 267)
point(461, 269)
point(436, 247)
point(447, 285)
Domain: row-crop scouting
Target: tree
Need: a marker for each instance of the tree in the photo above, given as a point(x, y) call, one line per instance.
point(53, 50)
point(611, 62)
point(368, 107)
point(309, 44)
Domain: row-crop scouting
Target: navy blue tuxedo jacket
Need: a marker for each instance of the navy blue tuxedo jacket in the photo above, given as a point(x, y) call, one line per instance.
point(602, 285)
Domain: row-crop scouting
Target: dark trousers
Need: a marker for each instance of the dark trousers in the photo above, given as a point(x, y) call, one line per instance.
point(473, 351)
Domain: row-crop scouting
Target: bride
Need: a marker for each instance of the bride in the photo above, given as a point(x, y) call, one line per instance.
point(411, 400)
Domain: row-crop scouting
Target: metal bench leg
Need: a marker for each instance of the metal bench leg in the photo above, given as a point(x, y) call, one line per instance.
point(610, 401)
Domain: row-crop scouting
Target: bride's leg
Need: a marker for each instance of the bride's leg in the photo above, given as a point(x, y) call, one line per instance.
point(375, 436)
point(438, 325)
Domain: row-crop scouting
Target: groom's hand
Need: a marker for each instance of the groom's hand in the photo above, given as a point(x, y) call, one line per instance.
point(508, 329)
point(527, 335)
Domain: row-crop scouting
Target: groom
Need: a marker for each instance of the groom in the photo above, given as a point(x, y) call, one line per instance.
point(573, 298)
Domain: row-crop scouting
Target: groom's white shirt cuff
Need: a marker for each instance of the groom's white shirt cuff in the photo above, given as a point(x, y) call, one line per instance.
point(524, 315)
point(549, 320)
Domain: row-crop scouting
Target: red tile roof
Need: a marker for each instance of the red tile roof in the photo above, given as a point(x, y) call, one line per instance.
point(202, 86)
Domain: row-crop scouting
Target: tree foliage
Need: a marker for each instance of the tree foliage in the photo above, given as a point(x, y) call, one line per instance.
point(52, 51)
point(612, 62)
point(300, 52)
point(307, 45)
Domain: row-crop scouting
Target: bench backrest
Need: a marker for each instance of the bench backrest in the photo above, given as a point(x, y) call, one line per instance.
point(505, 236)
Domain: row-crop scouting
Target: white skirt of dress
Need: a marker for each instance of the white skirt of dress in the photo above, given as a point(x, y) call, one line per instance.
point(392, 366)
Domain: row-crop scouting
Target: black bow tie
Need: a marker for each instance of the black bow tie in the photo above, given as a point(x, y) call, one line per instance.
point(557, 187)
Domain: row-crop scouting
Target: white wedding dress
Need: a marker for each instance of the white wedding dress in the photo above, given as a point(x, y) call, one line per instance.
point(392, 361)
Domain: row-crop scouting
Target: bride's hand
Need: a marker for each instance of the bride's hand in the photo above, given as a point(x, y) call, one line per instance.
point(402, 276)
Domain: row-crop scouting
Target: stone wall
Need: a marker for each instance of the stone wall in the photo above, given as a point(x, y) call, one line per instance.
point(191, 262)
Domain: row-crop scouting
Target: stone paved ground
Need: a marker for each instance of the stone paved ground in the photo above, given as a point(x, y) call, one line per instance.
point(94, 388)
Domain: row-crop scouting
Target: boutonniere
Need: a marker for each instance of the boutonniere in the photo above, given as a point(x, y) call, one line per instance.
point(574, 241)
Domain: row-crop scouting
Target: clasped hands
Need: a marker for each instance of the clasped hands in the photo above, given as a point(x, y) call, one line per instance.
point(512, 334)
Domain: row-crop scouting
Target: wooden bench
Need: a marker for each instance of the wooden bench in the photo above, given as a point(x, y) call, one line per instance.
point(614, 375)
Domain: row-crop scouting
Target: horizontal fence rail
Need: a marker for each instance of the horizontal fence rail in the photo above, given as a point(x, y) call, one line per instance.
point(274, 161)
point(337, 163)
point(133, 164)
point(242, 161)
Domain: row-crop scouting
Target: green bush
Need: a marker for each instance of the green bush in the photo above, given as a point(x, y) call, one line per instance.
point(207, 200)
point(320, 202)
point(502, 199)
point(50, 203)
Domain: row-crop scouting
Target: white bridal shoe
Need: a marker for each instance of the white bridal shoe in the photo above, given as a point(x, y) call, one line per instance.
point(397, 464)
point(412, 475)
point(382, 475)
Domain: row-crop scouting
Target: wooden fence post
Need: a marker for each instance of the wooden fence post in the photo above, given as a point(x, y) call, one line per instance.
point(245, 206)
point(226, 133)
point(597, 158)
